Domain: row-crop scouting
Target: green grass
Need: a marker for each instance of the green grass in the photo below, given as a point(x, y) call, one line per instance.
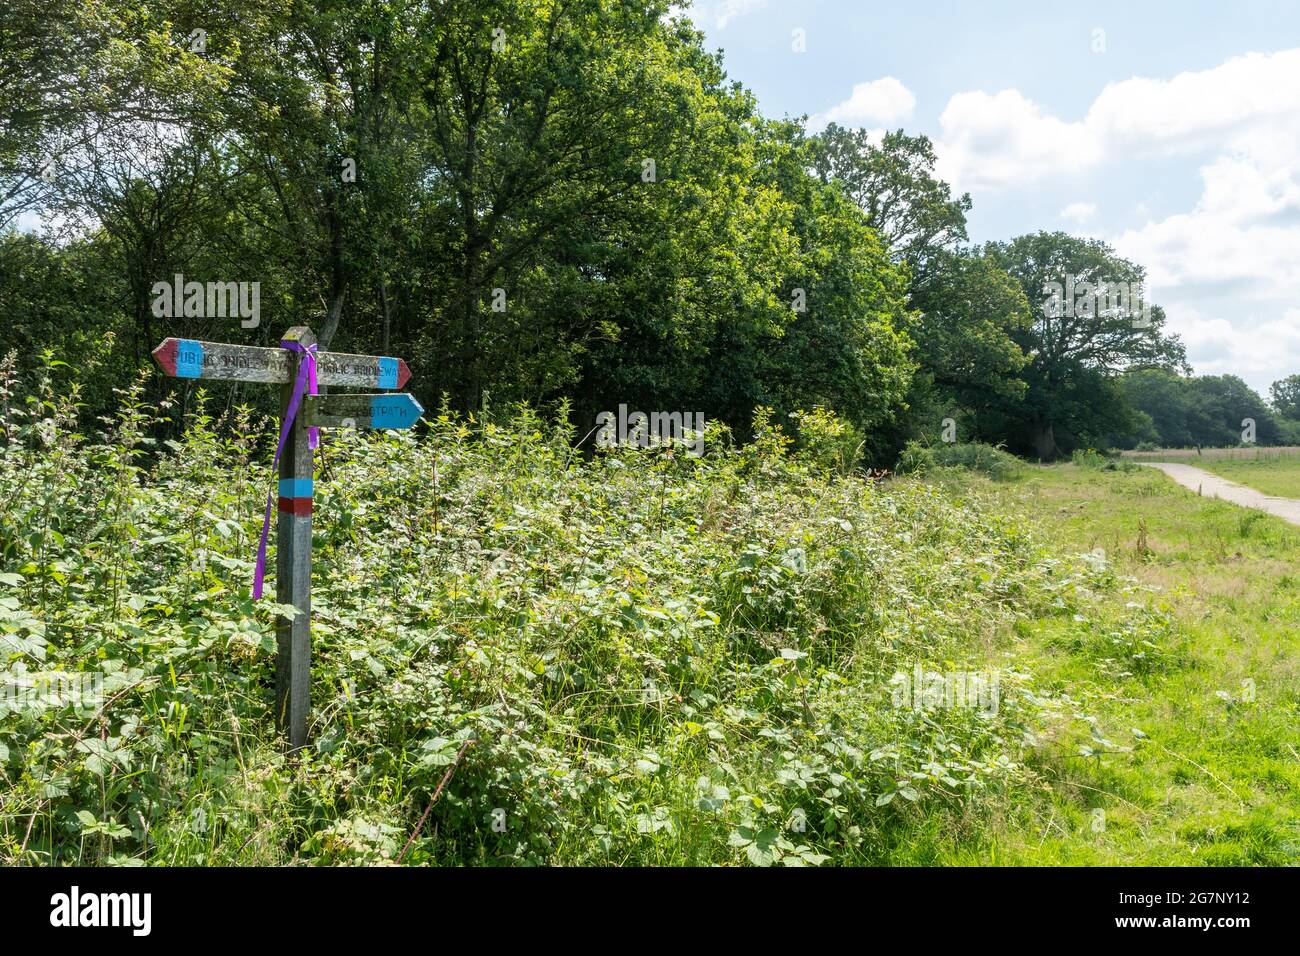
point(644, 658)
point(1274, 471)
point(1215, 776)
point(1273, 475)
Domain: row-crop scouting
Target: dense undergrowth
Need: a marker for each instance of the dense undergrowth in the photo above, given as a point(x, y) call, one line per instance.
point(642, 658)
point(972, 457)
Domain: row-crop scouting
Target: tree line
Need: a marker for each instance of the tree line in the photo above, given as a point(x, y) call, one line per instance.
point(535, 201)
point(1174, 411)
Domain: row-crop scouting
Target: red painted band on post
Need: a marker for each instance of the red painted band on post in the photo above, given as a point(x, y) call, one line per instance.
point(295, 506)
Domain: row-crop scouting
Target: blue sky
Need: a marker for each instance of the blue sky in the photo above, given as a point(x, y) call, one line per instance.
point(1169, 129)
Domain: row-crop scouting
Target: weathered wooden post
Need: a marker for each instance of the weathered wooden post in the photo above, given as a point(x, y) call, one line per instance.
point(299, 369)
point(293, 555)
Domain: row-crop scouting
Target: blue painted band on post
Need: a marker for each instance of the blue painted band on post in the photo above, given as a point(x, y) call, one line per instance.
point(189, 359)
point(295, 488)
point(387, 373)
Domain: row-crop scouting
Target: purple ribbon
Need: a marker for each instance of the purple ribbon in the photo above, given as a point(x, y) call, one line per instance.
point(305, 382)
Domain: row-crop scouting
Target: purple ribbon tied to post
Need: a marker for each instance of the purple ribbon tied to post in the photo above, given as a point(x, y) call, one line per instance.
point(305, 383)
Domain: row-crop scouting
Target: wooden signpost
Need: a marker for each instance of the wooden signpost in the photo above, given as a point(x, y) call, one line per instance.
point(298, 367)
point(189, 358)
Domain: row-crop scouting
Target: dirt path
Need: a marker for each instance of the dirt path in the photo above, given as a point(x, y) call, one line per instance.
point(1212, 486)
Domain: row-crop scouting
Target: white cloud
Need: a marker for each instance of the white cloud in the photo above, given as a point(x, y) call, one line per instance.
point(1228, 271)
point(1004, 138)
point(1195, 110)
point(1261, 351)
point(879, 103)
point(1079, 211)
point(871, 107)
point(1244, 230)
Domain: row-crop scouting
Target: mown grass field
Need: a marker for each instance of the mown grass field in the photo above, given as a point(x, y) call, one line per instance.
point(1214, 776)
point(1278, 475)
point(1274, 471)
point(1193, 456)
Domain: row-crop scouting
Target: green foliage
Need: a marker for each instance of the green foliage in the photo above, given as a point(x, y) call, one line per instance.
point(1284, 395)
point(658, 658)
point(535, 201)
point(893, 182)
point(1288, 431)
point(1089, 458)
point(52, 299)
point(970, 364)
point(407, 181)
point(966, 306)
point(971, 456)
point(829, 442)
point(637, 657)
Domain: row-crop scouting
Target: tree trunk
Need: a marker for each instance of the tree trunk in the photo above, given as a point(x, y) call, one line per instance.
point(388, 320)
point(331, 325)
point(471, 285)
point(1045, 441)
point(338, 271)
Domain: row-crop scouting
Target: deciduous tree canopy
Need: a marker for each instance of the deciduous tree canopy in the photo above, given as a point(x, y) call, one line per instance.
point(538, 200)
